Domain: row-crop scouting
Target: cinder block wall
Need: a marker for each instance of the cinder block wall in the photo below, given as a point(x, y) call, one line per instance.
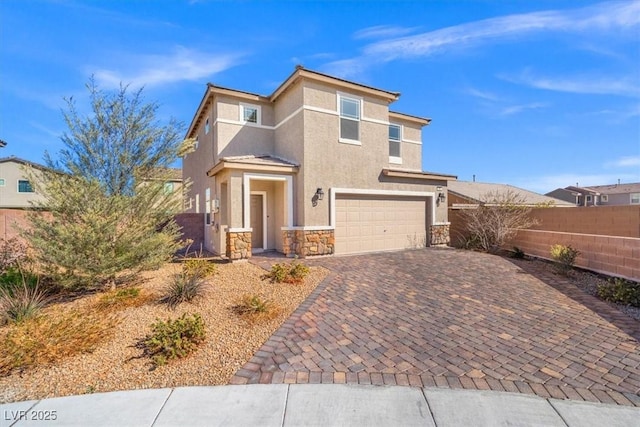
point(608, 237)
point(623, 221)
point(192, 227)
point(613, 255)
point(10, 221)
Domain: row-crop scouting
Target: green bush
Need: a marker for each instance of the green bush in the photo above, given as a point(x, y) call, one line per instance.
point(174, 338)
point(252, 304)
point(565, 256)
point(294, 272)
point(620, 291)
point(21, 297)
point(199, 267)
point(183, 288)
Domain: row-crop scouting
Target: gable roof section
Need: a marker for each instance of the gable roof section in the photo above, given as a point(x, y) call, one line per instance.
point(299, 73)
point(632, 187)
point(474, 191)
point(14, 159)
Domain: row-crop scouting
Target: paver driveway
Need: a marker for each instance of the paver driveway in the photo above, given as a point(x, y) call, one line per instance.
point(456, 319)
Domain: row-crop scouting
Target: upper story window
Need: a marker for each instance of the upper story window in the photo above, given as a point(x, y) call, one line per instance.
point(395, 137)
point(195, 145)
point(207, 128)
point(2, 183)
point(250, 114)
point(169, 187)
point(635, 198)
point(24, 186)
point(349, 117)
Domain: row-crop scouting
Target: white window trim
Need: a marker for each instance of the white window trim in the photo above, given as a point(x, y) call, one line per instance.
point(604, 198)
point(360, 101)
point(589, 198)
point(24, 192)
point(258, 109)
point(631, 199)
point(397, 160)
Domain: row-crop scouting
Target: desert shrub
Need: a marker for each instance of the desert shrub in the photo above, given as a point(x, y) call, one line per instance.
point(48, 338)
point(620, 291)
point(13, 253)
point(496, 219)
point(255, 308)
point(183, 288)
point(174, 338)
point(252, 304)
point(294, 272)
point(122, 298)
point(565, 257)
point(517, 253)
point(199, 267)
point(108, 212)
point(21, 297)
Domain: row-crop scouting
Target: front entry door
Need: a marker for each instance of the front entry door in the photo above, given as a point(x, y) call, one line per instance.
point(257, 217)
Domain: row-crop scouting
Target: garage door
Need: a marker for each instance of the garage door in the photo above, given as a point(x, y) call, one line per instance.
point(369, 224)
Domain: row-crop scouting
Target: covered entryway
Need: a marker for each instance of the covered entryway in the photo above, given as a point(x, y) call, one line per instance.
point(370, 223)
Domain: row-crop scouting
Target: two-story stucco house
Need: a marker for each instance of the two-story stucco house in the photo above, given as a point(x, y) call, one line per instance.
point(320, 166)
point(16, 191)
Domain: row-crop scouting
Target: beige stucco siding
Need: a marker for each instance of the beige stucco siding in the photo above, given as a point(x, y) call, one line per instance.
point(288, 103)
point(11, 172)
point(237, 139)
point(195, 165)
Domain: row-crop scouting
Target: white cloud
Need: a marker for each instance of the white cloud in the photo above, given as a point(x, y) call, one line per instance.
point(515, 109)
point(616, 16)
point(579, 84)
point(154, 70)
point(381, 31)
point(624, 162)
point(482, 94)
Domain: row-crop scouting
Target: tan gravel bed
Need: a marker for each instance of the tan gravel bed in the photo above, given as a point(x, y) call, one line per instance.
point(117, 365)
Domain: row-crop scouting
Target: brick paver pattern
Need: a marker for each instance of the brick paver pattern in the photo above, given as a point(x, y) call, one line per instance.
point(458, 319)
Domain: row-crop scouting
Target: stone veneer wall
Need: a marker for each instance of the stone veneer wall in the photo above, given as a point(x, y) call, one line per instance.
point(238, 245)
point(439, 234)
point(304, 243)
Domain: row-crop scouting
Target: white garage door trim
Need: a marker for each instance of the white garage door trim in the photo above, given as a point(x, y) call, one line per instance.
point(334, 191)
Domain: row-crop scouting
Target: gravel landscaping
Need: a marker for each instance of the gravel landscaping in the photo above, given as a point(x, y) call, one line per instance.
point(587, 281)
point(118, 364)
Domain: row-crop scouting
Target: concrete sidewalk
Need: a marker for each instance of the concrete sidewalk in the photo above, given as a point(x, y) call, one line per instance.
point(313, 405)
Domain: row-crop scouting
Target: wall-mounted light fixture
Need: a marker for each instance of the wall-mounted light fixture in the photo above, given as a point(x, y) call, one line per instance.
point(319, 195)
point(441, 196)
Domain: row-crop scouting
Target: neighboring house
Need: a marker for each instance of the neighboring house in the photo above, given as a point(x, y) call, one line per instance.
point(173, 183)
point(16, 191)
point(600, 195)
point(465, 194)
point(320, 166)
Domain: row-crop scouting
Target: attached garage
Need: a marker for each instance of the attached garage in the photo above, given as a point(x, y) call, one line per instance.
point(380, 222)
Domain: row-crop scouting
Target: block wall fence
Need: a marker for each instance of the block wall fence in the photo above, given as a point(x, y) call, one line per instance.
point(608, 237)
point(191, 223)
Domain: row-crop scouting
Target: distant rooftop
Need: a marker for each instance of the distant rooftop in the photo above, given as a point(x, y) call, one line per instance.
point(474, 191)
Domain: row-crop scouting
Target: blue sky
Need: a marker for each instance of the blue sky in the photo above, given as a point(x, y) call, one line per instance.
point(539, 94)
